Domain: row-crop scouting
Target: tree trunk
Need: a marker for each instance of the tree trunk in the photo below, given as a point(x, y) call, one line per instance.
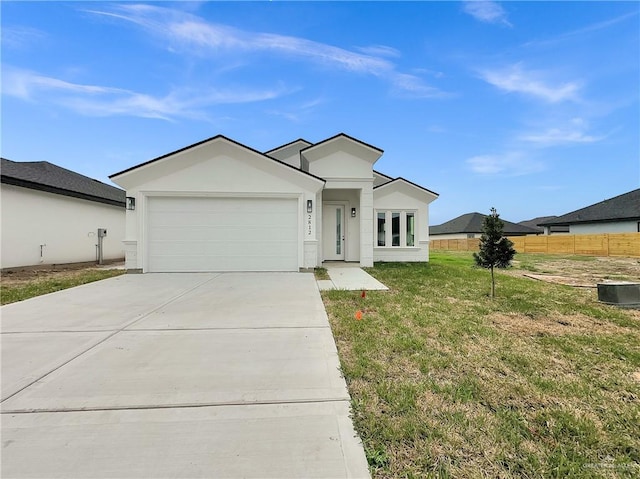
point(493, 284)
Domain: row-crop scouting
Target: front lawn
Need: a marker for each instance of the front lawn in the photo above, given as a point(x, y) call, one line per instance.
point(43, 282)
point(541, 382)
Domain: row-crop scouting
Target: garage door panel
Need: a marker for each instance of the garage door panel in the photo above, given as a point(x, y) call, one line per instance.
point(222, 234)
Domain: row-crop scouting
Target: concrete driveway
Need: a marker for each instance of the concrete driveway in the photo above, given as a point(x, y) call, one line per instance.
point(176, 375)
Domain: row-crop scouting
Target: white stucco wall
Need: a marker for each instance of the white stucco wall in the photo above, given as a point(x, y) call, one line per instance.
point(379, 180)
point(67, 226)
point(598, 228)
point(290, 154)
point(341, 164)
point(395, 198)
point(218, 169)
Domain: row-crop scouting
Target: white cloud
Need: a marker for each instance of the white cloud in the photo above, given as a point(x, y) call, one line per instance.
point(486, 11)
point(514, 79)
point(514, 163)
point(556, 136)
point(96, 100)
point(17, 37)
point(573, 132)
point(380, 50)
point(299, 112)
point(413, 86)
point(185, 31)
point(25, 85)
point(585, 30)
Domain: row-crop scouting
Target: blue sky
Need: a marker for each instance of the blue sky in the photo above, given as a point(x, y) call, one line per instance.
point(531, 107)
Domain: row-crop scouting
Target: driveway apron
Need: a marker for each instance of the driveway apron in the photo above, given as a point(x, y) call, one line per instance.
point(176, 375)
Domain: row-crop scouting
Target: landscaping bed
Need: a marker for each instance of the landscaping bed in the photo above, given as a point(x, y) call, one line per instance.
point(542, 381)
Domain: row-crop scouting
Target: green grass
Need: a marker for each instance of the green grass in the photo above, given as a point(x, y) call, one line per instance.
point(445, 382)
point(38, 287)
point(321, 273)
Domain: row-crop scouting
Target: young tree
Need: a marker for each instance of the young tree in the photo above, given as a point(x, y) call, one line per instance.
point(496, 251)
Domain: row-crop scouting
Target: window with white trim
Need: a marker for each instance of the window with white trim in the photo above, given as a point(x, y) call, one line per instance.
point(396, 228)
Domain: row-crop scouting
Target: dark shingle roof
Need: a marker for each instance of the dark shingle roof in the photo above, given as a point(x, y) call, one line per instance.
point(472, 223)
point(533, 223)
point(45, 176)
point(619, 208)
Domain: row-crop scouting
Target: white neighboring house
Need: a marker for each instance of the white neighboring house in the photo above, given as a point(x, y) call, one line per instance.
point(620, 214)
point(51, 215)
point(219, 205)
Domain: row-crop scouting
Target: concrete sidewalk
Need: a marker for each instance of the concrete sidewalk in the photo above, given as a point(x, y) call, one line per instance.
point(176, 375)
point(349, 276)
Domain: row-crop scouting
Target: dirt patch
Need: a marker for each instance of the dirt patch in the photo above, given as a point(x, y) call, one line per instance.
point(567, 281)
point(576, 271)
point(20, 276)
point(554, 325)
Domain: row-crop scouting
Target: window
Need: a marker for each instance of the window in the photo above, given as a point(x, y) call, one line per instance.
point(395, 229)
point(402, 232)
point(411, 229)
point(381, 229)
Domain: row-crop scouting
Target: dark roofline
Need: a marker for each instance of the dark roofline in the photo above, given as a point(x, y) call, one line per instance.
point(562, 221)
point(288, 144)
point(578, 222)
point(407, 181)
point(211, 139)
point(382, 174)
point(345, 136)
point(442, 228)
point(58, 191)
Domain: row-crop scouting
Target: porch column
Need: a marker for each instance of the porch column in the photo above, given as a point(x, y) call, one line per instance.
point(366, 226)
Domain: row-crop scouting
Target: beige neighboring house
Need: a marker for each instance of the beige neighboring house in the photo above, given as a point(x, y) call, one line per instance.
point(470, 226)
point(620, 214)
point(219, 205)
point(51, 215)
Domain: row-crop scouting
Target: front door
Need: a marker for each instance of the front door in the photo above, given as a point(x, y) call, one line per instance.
point(333, 232)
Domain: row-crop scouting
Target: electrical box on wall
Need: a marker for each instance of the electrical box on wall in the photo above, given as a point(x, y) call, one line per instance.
point(102, 232)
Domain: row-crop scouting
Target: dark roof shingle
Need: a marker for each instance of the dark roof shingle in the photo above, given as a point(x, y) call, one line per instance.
point(618, 208)
point(472, 223)
point(45, 176)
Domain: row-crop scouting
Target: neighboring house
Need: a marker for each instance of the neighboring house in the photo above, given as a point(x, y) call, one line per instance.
point(620, 214)
point(219, 205)
point(470, 226)
point(51, 215)
point(536, 221)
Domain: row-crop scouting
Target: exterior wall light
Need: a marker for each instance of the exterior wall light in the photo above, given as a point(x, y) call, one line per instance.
point(353, 212)
point(131, 203)
point(309, 206)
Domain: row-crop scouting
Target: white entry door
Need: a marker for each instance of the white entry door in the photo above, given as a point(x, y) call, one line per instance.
point(333, 232)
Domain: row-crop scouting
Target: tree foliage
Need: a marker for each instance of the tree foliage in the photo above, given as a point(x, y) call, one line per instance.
point(496, 251)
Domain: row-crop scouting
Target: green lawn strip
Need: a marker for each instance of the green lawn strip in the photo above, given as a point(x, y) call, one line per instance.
point(38, 287)
point(321, 273)
point(446, 382)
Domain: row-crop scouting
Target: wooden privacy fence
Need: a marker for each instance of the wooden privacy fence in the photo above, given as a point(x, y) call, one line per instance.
point(606, 244)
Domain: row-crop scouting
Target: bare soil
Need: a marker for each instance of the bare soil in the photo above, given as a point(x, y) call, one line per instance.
point(582, 272)
point(20, 276)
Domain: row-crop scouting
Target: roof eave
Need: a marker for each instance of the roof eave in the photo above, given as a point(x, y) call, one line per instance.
point(60, 191)
point(217, 137)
